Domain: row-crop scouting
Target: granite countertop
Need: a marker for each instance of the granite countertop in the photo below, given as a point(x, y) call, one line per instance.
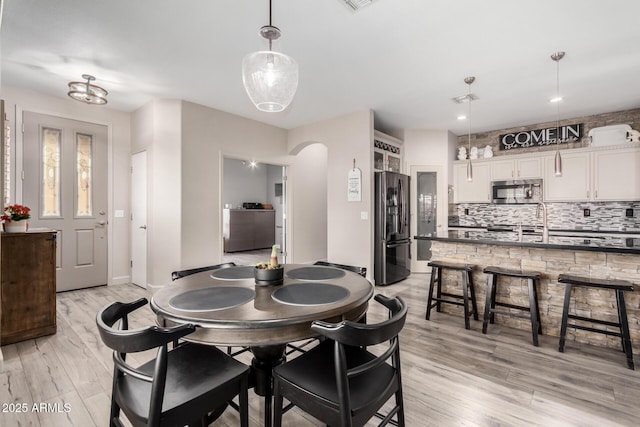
point(599, 241)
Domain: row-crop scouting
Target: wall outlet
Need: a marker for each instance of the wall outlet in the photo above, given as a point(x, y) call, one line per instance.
point(628, 213)
point(586, 212)
point(466, 211)
point(364, 215)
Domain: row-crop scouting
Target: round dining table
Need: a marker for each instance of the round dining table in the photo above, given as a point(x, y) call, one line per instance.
point(230, 309)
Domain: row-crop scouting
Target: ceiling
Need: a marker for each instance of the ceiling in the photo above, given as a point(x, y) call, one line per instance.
point(405, 59)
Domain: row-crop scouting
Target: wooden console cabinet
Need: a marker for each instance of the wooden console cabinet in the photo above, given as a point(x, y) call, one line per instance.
point(28, 286)
point(248, 229)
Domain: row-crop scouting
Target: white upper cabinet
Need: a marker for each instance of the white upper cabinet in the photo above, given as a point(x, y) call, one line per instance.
point(616, 175)
point(597, 175)
point(475, 191)
point(588, 175)
point(520, 168)
point(573, 185)
point(387, 153)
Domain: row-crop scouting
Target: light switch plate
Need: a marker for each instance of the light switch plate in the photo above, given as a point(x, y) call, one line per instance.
point(364, 215)
point(118, 213)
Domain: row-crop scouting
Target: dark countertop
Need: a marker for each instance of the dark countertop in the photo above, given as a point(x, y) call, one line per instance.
point(558, 239)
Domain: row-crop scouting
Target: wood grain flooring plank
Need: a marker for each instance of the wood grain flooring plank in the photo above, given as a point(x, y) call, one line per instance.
point(452, 376)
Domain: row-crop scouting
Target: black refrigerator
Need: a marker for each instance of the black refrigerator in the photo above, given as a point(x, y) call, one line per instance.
point(392, 238)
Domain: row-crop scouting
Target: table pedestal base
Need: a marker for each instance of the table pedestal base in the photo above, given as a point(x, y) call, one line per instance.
point(264, 360)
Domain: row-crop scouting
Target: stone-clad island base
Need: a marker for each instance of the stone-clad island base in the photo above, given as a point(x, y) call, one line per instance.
point(597, 303)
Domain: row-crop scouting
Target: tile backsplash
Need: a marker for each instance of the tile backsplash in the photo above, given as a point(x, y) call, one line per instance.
point(601, 215)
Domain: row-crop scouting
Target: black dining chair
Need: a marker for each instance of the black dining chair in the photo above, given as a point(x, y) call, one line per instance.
point(190, 385)
point(359, 270)
point(339, 381)
point(301, 347)
point(175, 275)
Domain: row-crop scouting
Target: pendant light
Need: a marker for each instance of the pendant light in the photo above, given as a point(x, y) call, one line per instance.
point(469, 81)
point(87, 92)
point(270, 78)
point(557, 56)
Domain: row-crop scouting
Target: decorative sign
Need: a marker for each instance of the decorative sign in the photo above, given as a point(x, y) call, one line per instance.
point(354, 187)
point(541, 137)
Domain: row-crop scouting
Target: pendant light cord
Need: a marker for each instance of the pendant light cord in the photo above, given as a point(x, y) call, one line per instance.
point(270, 41)
point(558, 103)
point(469, 117)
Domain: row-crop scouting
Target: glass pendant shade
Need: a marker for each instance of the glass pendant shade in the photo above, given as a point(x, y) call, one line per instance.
point(469, 171)
point(270, 79)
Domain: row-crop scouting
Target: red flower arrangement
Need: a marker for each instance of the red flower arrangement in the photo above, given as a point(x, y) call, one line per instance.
point(16, 213)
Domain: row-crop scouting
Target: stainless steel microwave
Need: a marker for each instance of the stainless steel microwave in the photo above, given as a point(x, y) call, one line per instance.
point(518, 191)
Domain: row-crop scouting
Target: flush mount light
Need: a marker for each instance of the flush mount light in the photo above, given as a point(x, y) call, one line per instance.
point(462, 99)
point(87, 92)
point(462, 117)
point(270, 78)
point(356, 5)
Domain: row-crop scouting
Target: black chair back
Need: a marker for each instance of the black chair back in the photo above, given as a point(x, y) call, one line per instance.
point(363, 335)
point(198, 379)
point(183, 273)
point(362, 381)
point(360, 270)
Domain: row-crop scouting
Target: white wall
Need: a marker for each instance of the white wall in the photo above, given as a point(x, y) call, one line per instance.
point(310, 207)
point(119, 138)
point(349, 137)
point(208, 136)
point(243, 183)
point(156, 129)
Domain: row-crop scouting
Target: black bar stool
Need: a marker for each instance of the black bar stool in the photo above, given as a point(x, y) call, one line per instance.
point(467, 281)
point(533, 278)
point(619, 286)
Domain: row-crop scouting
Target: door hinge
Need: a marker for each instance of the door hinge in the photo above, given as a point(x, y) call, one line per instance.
point(131, 263)
point(284, 178)
point(22, 127)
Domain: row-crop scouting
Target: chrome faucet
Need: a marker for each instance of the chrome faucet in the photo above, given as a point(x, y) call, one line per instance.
point(545, 225)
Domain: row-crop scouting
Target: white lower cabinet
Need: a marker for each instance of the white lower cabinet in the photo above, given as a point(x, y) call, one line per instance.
point(475, 191)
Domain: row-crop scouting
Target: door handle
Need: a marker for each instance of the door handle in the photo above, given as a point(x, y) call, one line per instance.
point(100, 223)
point(144, 227)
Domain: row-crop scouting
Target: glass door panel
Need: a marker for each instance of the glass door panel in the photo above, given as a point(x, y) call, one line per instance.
point(427, 204)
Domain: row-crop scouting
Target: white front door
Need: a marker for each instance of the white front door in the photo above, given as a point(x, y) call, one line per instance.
point(139, 219)
point(65, 185)
point(428, 212)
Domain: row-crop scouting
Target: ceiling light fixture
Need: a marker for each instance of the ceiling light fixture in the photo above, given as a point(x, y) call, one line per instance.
point(557, 56)
point(86, 92)
point(469, 81)
point(270, 78)
point(356, 5)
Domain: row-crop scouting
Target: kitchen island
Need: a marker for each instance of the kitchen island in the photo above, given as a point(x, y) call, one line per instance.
point(593, 254)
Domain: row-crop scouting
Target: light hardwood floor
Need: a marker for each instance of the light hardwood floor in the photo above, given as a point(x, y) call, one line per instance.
point(452, 377)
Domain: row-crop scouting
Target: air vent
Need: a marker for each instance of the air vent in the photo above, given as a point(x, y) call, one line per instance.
point(462, 99)
point(356, 5)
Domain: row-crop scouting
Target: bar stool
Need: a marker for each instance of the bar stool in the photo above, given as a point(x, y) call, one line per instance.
point(619, 286)
point(467, 281)
point(533, 278)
